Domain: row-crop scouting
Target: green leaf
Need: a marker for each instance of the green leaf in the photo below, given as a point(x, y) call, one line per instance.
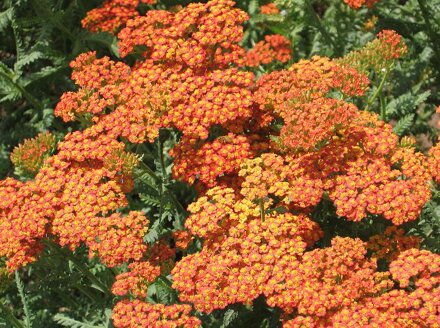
point(150, 200)
point(27, 59)
point(20, 287)
point(406, 103)
point(106, 39)
point(5, 18)
point(229, 318)
point(253, 7)
point(8, 315)
point(404, 124)
point(66, 321)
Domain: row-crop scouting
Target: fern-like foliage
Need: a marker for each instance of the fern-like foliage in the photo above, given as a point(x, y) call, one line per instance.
point(28, 316)
point(66, 321)
point(39, 39)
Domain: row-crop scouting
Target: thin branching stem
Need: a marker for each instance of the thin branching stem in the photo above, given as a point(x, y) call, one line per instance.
point(81, 267)
point(262, 212)
point(8, 315)
point(318, 24)
point(435, 40)
point(34, 102)
point(378, 92)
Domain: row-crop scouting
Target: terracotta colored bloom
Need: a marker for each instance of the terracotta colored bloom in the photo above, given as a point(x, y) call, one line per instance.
point(357, 4)
point(212, 159)
point(265, 156)
point(274, 48)
point(136, 313)
point(269, 9)
point(326, 279)
point(243, 254)
point(112, 15)
point(136, 280)
point(391, 243)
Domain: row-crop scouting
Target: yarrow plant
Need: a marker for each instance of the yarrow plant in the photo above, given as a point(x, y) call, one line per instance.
point(357, 4)
point(270, 159)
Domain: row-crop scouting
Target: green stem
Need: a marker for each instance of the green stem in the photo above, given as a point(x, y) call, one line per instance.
point(35, 103)
point(379, 89)
point(262, 212)
point(20, 288)
point(176, 202)
point(383, 108)
point(149, 171)
point(81, 267)
point(173, 197)
point(166, 281)
point(317, 22)
point(10, 316)
point(162, 169)
point(431, 33)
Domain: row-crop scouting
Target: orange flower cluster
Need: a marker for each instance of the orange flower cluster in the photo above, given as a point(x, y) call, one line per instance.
point(391, 243)
point(222, 156)
point(137, 280)
point(325, 280)
point(357, 4)
point(31, 154)
point(434, 162)
point(257, 237)
point(271, 174)
point(187, 70)
point(189, 55)
point(274, 47)
point(377, 305)
point(378, 54)
point(136, 313)
point(306, 81)
point(242, 255)
point(120, 238)
point(352, 153)
point(393, 309)
point(199, 101)
point(182, 239)
point(121, 101)
point(269, 9)
point(22, 221)
point(371, 185)
point(112, 15)
point(310, 125)
point(198, 35)
point(71, 199)
point(98, 80)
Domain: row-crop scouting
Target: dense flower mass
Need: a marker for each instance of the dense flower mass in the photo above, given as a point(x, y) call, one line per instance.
point(198, 35)
point(357, 4)
point(243, 255)
point(212, 159)
point(128, 314)
point(274, 47)
point(391, 243)
point(269, 9)
point(272, 158)
point(112, 15)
